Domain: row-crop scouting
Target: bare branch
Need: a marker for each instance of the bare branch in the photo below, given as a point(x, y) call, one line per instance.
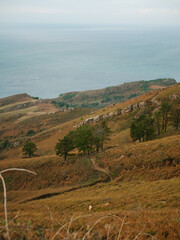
point(5, 206)
point(122, 224)
point(95, 225)
point(5, 194)
point(17, 169)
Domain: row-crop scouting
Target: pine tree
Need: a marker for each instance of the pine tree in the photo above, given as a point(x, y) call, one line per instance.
point(100, 134)
point(65, 145)
point(157, 120)
point(175, 114)
point(142, 128)
point(83, 138)
point(165, 110)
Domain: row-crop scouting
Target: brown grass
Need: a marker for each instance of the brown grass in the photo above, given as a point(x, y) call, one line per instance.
point(145, 184)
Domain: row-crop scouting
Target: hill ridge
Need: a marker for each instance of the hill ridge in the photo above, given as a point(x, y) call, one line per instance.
point(113, 94)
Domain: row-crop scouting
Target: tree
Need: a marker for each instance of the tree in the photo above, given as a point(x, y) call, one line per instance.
point(149, 128)
point(100, 134)
point(142, 128)
point(65, 145)
point(175, 114)
point(157, 120)
point(165, 110)
point(136, 129)
point(83, 138)
point(29, 148)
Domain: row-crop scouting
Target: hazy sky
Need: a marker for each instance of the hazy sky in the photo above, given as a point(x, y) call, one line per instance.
point(91, 11)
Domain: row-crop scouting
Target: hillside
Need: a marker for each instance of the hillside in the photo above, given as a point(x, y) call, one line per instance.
point(133, 187)
point(111, 95)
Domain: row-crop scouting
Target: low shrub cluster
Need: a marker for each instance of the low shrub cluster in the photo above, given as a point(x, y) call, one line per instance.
point(5, 144)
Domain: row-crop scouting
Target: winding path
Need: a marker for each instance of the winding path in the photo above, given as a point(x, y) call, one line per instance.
point(96, 167)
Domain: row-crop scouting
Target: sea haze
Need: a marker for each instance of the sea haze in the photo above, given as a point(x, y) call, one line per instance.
point(46, 61)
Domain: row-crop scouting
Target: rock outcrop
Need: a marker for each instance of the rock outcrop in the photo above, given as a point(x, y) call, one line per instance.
point(126, 110)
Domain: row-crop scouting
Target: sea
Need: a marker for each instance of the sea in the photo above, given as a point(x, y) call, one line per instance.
point(48, 60)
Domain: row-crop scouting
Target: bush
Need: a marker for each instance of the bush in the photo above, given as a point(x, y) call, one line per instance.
point(30, 132)
point(68, 96)
point(60, 104)
point(36, 98)
point(4, 145)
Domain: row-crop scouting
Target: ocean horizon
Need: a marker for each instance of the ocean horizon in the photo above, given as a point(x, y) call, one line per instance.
point(49, 60)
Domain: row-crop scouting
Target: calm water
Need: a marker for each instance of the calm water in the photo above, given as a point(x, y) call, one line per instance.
point(48, 61)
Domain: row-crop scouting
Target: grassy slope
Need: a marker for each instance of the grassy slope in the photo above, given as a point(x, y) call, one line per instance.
point(103, 97)
point(145, 183)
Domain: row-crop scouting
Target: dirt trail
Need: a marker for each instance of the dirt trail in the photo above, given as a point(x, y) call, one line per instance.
point(96, 167)
point(49, 195)
point(155, 100)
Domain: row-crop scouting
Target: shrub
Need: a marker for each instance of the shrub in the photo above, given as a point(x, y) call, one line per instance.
point(36, 98)
point(30, 132)
point(68, 96)
point(60, 104)
point(4, 145)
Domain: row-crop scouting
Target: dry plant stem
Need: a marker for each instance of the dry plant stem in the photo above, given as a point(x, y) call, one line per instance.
point(138, 235)
point(5, 206)
point(17, 169)
point(50, 213)
point(5, 194)
point(59, 230)
point(121, 228)
point(17, 215)
point(80, 230)
point(149, 235)
point(68, 233)
point(51, 217)
point(95, 225)
point(108, 232)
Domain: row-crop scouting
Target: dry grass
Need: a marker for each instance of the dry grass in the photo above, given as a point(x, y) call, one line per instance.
point(5, 194)
point(145, 185)
point(148, 213)
point(166, 93)
point(17, 112)
point(16, 104)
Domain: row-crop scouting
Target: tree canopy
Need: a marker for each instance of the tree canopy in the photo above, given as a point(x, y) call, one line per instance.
point(85, 138)
point(65, 145)
point(142, 128)
point(29, 148)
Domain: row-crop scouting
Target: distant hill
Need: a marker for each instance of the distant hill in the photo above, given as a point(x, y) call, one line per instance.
point(111, 95)
point(15, 98)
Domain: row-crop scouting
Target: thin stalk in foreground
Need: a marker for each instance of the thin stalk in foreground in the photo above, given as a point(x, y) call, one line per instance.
point(5, 194)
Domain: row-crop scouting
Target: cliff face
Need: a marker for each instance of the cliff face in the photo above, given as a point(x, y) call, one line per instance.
point(111, 95)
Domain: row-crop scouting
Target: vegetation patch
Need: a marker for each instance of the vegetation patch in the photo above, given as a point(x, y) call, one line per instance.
point(68, 96)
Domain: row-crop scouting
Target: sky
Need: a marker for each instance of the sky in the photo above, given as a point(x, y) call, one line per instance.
point(162, 12)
